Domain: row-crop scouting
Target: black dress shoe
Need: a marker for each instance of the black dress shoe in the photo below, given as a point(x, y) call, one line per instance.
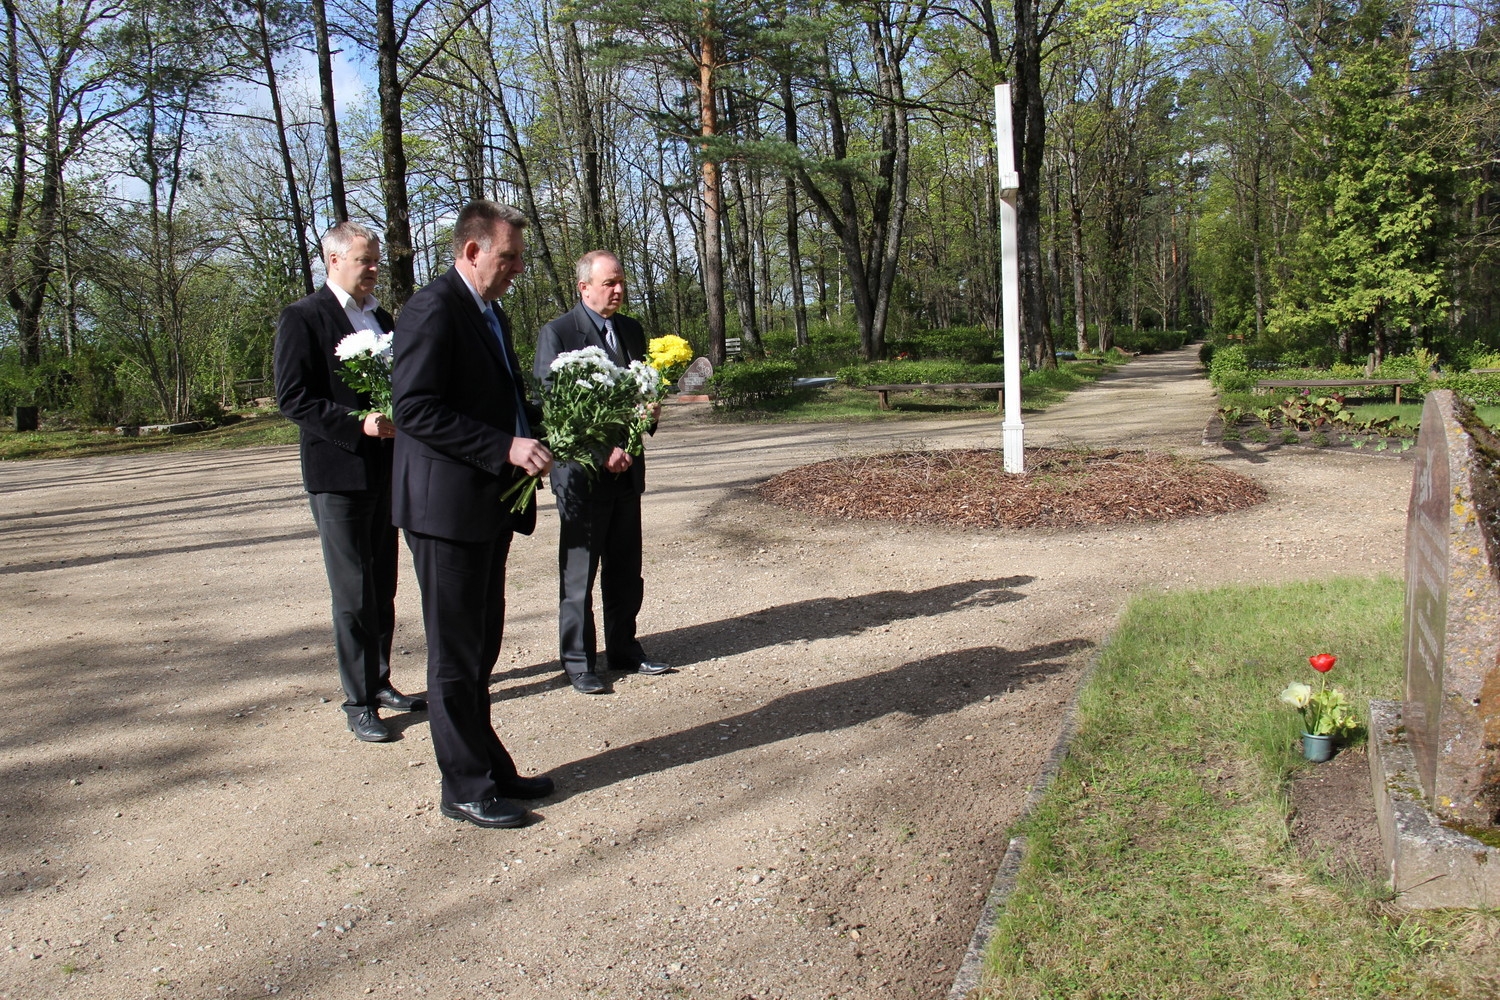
point(368, 727)
point(528, 788)
point(587, 682)
point(648, 667)
point(397, 702)
point(486, 812)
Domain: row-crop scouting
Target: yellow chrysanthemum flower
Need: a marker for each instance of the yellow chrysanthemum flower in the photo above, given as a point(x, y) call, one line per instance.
point(671, 351)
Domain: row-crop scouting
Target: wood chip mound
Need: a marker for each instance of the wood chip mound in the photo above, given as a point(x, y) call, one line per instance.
point(1060, 488)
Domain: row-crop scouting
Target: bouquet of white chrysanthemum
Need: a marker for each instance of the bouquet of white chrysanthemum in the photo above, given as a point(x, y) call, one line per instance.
point(650, 388)
point(367, 368)
point(589, 405)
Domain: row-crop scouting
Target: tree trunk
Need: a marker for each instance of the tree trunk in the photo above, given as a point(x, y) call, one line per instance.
point(299, 223)
point(399, 252)
point(713, 258)
point(336, 195)
point(1075, 246)
point(1029, 113)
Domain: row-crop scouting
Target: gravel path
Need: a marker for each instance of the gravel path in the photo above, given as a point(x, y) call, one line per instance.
point(812, 807)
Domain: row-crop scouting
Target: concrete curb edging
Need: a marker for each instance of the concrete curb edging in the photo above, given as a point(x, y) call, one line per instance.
point(970, 970)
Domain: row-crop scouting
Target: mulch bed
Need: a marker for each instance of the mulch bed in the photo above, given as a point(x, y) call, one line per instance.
point(1060, 488)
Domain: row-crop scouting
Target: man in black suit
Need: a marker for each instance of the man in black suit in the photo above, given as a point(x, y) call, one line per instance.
point(465, 437)
point(346, 470)
point(600, 517)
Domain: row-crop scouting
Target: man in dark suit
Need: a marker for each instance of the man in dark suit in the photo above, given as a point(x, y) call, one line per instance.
point(465, 437)
point(600, 517)
point(346, 469)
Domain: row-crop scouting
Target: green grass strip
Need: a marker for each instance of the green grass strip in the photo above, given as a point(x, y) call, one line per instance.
point(1158, 862)
point(267, 430)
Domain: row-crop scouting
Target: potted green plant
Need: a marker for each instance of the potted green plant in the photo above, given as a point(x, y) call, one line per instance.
point(1326, 715)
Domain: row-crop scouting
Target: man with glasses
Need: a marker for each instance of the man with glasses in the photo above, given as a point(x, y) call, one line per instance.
point(346, 470)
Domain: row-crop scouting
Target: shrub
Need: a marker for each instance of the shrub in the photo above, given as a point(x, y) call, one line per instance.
point(740, 383)
point(891, 372)
point(1151, 341)
point(1229, 371)
point(1206, 354)
point(971, 344)
point(1477, 387)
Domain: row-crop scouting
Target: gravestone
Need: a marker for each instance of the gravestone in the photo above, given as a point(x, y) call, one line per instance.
point(1433, 759)
point(694, 381)
point(1452, 706)
point(26, 418)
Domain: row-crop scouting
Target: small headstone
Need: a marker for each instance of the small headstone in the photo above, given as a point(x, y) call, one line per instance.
point(1452, 706)
point(26, 418)
point(694, 381)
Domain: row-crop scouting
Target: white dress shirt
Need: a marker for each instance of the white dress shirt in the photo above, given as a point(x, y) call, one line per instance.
point(361, 314)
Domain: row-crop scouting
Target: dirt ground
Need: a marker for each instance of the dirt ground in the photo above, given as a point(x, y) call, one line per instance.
point(813, 806)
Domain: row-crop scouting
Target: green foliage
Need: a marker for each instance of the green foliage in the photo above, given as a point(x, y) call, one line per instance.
point(1476, 387)
point(896, 372)
point(741, 383)
point(1151, 341)
point(829, 347)
point(1229, 370)
point(970, 344)
point(1369, 258)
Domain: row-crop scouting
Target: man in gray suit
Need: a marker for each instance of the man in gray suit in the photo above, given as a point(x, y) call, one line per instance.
point(600, 516)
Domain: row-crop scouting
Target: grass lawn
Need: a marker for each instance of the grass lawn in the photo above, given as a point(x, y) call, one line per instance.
point(271, 429)
point(1159, 863)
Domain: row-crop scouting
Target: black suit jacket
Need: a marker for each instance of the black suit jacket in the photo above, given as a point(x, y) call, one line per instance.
point(337, 456)
point(573, 331)
point(455, 404)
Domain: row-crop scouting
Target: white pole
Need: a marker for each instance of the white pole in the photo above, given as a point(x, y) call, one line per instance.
point(1012, 430)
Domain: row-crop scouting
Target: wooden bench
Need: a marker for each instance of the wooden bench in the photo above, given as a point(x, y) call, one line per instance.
point(1332, 383)
point(884, 391)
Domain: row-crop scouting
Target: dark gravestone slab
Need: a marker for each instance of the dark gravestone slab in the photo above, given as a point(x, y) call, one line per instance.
point(694, 381)
point(1452, 709)
point(26, 418)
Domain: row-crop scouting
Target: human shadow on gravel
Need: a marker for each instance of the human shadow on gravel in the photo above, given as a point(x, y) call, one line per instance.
point(805, 621)
point(933, 686)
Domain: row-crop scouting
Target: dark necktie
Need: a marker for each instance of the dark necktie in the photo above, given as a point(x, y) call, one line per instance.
point(523, 426)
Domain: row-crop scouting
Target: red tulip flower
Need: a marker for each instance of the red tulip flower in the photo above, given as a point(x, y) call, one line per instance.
point(1323, 662)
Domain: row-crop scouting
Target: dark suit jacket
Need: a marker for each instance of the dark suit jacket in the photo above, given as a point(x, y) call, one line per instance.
point(337, 456)
point(573, 331)
point(455, 406)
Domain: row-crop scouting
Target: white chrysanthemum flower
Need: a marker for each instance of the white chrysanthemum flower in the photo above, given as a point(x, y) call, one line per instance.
point(361, 343)
point(647, 377)
point(603, 378)
point(591, 357)
point(384, 342)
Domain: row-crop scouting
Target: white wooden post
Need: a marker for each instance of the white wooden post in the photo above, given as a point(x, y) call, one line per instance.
point(1012, 430)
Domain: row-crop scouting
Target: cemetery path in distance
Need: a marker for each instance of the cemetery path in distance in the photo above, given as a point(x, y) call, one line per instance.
point(812, 806)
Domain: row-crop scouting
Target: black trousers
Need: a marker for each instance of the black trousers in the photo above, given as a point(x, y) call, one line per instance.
point(359, 554)
point(599, 536)
point(463, 610)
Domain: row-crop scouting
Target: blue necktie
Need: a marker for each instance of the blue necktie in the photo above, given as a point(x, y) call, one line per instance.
point(523, 426)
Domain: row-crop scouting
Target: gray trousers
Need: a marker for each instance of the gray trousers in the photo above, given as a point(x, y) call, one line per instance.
point(359, 553)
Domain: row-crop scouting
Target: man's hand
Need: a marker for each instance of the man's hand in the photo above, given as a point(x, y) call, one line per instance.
point(378, 425)
point(531, 456)
point(655, 411)
point(618, 460)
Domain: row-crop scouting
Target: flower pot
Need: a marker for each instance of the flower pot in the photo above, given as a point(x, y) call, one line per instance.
point(1317, 748)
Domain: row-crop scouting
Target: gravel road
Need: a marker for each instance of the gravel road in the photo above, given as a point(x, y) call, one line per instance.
point(812, 806)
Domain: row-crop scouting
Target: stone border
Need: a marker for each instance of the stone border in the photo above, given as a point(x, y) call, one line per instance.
point(970, 971)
